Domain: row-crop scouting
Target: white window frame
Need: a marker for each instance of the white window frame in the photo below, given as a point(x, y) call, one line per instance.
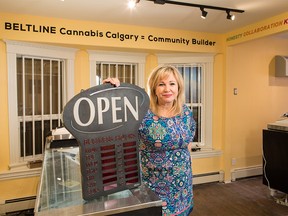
point(207, 60)
point(124, 57)
point(15, 48)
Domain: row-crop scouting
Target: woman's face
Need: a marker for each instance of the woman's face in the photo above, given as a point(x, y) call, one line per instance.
point(167, 90)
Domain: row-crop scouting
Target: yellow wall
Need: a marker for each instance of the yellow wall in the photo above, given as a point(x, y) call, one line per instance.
point(4, 132)
point(14, 27)
point(17, 188)
point(82, 71)
point(151, 62)
point(238, 120)
point(260, 100)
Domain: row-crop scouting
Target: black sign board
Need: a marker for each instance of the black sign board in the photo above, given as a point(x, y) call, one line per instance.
point(105, 120)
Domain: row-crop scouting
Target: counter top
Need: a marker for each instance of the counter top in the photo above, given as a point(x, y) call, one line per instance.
point(60, 190)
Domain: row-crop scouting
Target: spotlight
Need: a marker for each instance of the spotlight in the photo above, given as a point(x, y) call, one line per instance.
point(204, 13)
point(132, 3)
point(229, 16)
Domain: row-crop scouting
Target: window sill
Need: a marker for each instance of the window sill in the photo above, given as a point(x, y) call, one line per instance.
point(206, 153)
point(20, 173)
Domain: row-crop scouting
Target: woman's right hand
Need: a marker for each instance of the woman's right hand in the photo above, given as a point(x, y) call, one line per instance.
point(114, 81)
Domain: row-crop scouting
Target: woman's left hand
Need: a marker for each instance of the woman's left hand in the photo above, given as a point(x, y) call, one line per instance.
point(114, 81)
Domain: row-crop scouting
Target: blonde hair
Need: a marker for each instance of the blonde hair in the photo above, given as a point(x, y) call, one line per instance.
point(156, 75)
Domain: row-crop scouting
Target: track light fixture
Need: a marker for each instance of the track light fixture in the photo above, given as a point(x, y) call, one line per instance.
point(159, 1)
point(202, 7)
point(203, 13)
point(229, 16)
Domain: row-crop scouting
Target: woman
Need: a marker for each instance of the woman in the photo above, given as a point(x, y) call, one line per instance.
point(166, 135)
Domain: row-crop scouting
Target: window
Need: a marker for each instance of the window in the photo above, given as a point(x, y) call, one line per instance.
point(126, 72)
point(40, 84)
point(128, 67)
point(198, 79)
point(38, 89)
point(193, 82)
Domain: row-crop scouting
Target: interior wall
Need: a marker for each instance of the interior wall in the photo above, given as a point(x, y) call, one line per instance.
point(261, 97)
point(238, 120)
point(4, 131)
point(82, 71)
point(18, 188)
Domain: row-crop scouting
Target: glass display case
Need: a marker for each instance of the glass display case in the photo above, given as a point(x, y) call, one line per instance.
point(60, 189)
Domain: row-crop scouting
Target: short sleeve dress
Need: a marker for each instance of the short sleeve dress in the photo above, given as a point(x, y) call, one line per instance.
point(165, 159)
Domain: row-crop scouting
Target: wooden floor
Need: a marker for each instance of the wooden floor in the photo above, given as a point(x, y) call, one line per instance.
point(245, 197)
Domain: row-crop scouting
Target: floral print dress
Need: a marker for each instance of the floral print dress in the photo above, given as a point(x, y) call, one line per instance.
point(165, 159)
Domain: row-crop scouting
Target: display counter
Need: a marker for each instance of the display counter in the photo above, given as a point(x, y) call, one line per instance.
point(60, 191)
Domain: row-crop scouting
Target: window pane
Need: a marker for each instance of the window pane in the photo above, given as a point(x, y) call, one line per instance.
point(192, 75)
point(26, 150)
point(197, 118)
point(39, 134)
point(196, 86)
point(46, 93)
point(43, 88)
point(55, 87)
point(125, 72)
point(130, 73)
point(61, 85)
point(121, 73)
point(28, 86)
point(188, 84)
point(20, 86)
point(105, 71)
point(38, 137)
point(21, 140)
point(112, 71)
point(98, 74)
point(37, 87)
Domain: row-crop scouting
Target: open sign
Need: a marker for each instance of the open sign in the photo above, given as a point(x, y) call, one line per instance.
point(114, 106)
point(105, 120)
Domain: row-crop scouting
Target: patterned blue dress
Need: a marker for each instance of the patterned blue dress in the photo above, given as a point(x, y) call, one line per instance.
point(165, 159)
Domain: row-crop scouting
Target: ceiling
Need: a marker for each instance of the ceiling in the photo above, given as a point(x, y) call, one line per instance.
point(153, 15)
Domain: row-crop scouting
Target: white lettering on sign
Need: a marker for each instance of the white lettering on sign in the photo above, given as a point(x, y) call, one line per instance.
point(104, 105)
point(134, 112)
point(114, 114)
point(101, 110)
point(76, 112)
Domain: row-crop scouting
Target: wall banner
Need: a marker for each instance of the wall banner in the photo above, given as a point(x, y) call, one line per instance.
point(258, 30)
point(95, 33)
point(86, 33)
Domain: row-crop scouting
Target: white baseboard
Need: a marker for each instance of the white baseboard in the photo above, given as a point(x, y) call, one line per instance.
point(246, 172)
point(208, 178)
point(17, 205)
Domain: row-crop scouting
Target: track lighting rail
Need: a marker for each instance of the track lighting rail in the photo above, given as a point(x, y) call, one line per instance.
point(200, 6)
point(196, 5)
